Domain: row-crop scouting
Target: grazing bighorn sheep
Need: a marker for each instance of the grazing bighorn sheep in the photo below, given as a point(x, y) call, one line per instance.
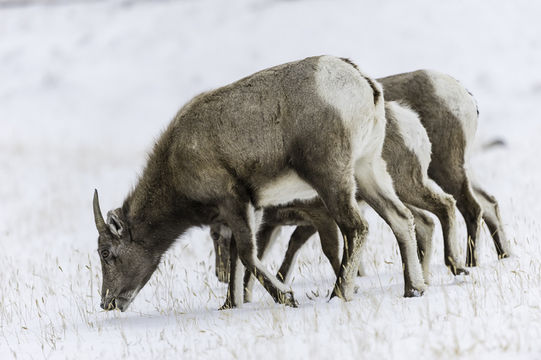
point(313, 126)
point(449, 114)
point(449, 111)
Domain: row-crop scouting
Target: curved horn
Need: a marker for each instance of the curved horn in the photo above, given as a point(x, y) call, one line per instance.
point(98, 217)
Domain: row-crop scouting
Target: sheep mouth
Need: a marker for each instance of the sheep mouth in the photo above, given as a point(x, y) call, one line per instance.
point(120, 302)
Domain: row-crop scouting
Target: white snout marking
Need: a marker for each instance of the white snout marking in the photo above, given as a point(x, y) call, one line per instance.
point(130, 297)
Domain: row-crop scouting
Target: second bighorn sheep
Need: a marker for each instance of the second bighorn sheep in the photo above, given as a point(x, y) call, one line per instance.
point(406, 151)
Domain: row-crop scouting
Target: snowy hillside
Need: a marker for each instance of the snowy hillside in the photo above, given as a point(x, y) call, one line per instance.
point(86, 87)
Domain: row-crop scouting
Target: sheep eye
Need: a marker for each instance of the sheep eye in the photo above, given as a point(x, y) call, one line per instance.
point(105, 253)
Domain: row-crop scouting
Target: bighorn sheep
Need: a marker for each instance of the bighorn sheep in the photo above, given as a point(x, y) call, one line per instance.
point(313, 126)
point(450, 113)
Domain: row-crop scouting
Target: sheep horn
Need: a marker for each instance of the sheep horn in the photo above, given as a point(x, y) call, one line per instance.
point(98, 217)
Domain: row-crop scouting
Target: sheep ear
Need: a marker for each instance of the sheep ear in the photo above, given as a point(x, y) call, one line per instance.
point(115, 223)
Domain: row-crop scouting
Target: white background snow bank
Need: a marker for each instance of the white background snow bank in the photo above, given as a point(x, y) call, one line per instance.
point(86, 87)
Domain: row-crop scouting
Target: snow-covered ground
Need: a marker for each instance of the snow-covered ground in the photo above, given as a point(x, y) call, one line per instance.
point(85, 88)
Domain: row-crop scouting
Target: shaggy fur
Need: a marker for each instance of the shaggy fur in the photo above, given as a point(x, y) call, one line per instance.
point(315, 120)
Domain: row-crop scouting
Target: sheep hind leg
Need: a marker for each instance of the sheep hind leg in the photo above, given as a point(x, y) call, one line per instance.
point(361, 271)
point(376, 188)
point(491, 216)
point(299, 237)
point(221, 240)
point(240, 217)
point(236, 269)
point(429, 196)
point(338, 194)
point(424, 231)
point(265, 239)
point(329, 236)
point(328, 169)
point(455, 181)
point(341, 204)
point(472, 212)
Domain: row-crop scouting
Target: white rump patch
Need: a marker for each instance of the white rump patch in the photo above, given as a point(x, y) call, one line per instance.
point(342, 86)
point(459, 102)
point(412, 132)
point(285, 189)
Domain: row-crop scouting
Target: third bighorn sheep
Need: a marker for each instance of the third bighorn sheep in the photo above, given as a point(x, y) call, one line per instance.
point(449, 114)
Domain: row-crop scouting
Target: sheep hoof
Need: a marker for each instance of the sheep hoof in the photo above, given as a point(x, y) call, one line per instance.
point(288, 299)
point(343, 294)
point(460, 271)
point(228, 305)
point(414, 293)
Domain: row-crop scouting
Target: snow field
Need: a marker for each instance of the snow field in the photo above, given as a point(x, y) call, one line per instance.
point(86, 87)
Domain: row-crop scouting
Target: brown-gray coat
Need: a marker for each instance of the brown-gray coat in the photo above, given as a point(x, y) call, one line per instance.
point(294, 131)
